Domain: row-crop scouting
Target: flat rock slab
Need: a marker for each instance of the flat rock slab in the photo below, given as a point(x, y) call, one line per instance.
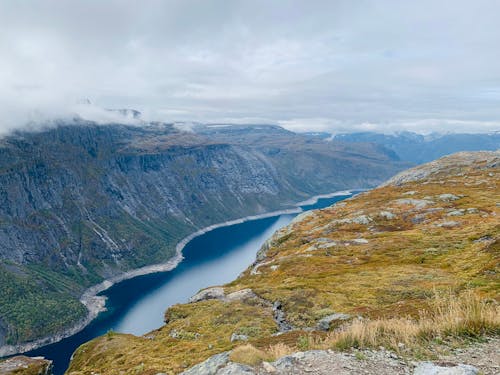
point(429, 368)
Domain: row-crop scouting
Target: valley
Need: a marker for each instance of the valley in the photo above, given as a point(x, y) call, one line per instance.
point(411, 266)
point(81, 203)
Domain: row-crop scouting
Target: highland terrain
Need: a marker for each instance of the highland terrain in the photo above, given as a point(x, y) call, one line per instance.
point(405, 273)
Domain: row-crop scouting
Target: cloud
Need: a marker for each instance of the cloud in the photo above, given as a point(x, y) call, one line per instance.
point(331, 65)
point(422, 126)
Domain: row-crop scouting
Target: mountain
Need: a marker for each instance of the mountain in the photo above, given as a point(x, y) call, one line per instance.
point(405, 272)
point(81, 203)
point(419, 149)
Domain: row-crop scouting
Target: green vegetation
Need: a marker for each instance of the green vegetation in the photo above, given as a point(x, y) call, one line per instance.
point(419, 286)
point(30, 308)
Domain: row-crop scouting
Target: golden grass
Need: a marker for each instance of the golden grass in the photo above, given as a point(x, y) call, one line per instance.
point(449, 316)
point(279, 350)
point(249, 355)
point(389, 281)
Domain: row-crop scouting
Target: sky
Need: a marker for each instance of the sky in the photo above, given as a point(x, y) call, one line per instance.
point(336, 66)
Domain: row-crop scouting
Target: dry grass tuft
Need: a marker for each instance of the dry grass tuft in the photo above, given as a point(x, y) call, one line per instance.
point(449, 316)
point(248, 355)
point(279, 350)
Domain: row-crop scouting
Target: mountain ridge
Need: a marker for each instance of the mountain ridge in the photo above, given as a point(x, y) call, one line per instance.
point(418, 148)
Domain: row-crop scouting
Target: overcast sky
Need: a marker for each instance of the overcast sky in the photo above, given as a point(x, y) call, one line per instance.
point(308, 65)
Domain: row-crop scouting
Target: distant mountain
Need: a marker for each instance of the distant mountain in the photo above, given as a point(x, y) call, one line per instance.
point(419, 149)
point(80, 203)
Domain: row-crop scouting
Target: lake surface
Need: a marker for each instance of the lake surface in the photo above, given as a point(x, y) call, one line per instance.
point(137, 305)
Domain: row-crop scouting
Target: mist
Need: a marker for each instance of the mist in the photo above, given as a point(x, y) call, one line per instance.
point(338, 66)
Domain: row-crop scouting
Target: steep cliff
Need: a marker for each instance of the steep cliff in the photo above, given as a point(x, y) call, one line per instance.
point(411, 266)
point(80, 203)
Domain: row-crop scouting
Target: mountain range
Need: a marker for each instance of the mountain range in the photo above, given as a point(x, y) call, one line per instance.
point(82, 202)
point(417, 148)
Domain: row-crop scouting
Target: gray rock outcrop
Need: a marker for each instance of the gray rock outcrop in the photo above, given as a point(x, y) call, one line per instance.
point(324, 323)
point(210, 366)
point(429, 368)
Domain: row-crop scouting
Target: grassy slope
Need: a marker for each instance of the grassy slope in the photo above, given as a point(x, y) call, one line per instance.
point(406, 260)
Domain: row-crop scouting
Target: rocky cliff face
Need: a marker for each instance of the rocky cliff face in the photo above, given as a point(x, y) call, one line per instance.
point(406, 271)
point(81, 202)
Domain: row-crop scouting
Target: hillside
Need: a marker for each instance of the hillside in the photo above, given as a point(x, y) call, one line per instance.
point(80, 203)
point(417, 148)
point(411, 266)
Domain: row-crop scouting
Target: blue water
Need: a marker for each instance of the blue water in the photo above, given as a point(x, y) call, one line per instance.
point(137, 305)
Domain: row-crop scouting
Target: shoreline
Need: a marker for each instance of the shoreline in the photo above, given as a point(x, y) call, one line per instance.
point(96, 304)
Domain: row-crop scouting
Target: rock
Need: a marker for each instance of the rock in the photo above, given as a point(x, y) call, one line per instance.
point(359, 241)
point(362, 219)
point(275, 239)
point(174, 334)
point(386, 215)
point(279, 317)
point(429, 368)
point(238, 337)
point(448, 197)
point(412, 192)
point(327, 245)
point(210, 366)
point(240, 295)
point(417, 219)
point(484, 239)
point(324, 323)
point(29, 365)
point(235, 369)
point(434, 209)
point(284, 363)
point(417, 203)
point(472, 210)
point(456, 213)
point(209, 293)
point(448, 224)
point(268, 367)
